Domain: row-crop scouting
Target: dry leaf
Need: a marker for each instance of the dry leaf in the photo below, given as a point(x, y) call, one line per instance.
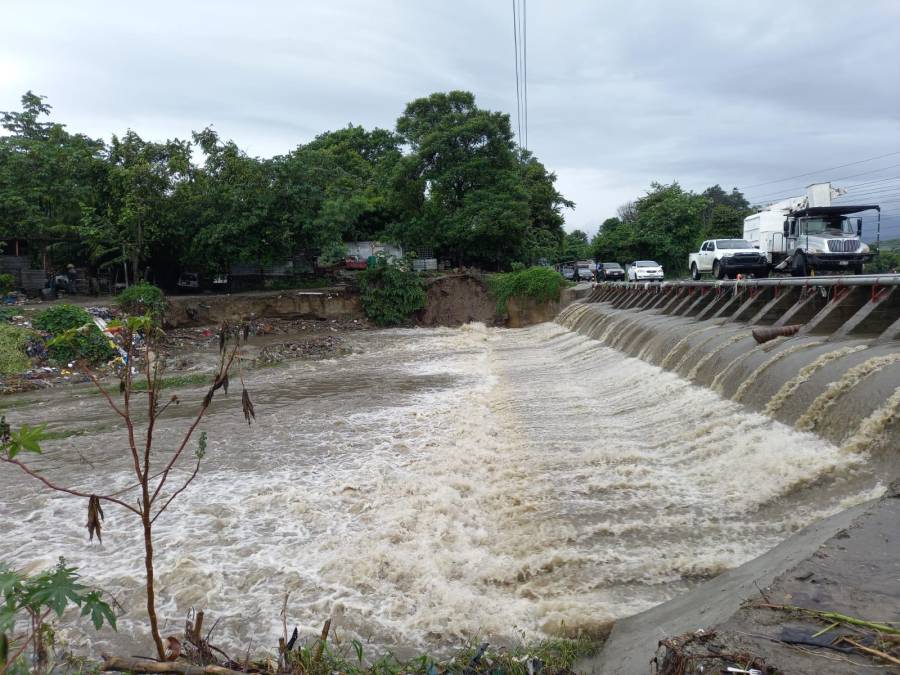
point(247, 405)
point(95, 517)
point(173, 648)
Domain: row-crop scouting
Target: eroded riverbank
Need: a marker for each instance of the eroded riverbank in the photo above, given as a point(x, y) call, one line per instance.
point(437, 485)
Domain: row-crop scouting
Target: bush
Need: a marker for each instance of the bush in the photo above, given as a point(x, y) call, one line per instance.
point(88, 344)
point(7, 283)
point(539, 283)
point(391, 294)
point(13, 358)
point(142, 298)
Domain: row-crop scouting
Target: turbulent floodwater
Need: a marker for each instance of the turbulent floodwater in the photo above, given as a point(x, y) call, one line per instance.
point(433, 486)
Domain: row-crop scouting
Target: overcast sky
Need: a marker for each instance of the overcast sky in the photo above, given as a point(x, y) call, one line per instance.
point(620, 93)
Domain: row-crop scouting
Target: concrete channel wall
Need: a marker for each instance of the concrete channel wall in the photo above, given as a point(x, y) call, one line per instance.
point(835, 371)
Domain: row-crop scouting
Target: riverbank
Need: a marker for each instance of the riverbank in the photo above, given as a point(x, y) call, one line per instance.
point(791, 610)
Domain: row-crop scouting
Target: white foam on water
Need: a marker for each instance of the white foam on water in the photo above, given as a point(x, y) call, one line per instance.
point(439, 485)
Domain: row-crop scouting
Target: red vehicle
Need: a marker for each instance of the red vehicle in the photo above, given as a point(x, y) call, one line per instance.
point(354, 263)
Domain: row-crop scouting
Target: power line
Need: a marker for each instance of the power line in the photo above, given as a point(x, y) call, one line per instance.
point(525, 62)
point(811, 173)
point(871, 182)
point(786, 196)
point(518, 88)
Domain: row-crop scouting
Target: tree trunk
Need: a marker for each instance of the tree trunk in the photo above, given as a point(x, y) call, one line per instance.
point(148, 563)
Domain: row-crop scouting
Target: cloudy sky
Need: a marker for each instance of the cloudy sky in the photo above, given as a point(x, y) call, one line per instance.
point(621, 93)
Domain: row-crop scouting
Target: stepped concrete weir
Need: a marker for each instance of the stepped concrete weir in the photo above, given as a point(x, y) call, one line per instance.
point(834, 371)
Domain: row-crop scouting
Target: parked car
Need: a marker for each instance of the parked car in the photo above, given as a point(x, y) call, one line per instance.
point(585, 269)
point(726, 258)
point(610, 271)
point(644, 270)
point(189, 282)
point(568, 272)
point(354, 262)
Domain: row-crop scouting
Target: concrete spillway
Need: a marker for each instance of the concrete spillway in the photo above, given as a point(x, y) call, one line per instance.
point(838, 375)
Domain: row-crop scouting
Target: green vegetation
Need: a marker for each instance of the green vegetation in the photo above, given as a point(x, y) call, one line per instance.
point(391, 293)
point(13, 358)
point(450, 177)
point(142, 298)
point(668, 223)
point(35, 597)
point(7, 283)
point(76, 337)
point(538, 283)
point(550, 657)
point(887, 260)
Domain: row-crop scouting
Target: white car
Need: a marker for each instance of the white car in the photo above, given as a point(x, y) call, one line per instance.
point(644, 270)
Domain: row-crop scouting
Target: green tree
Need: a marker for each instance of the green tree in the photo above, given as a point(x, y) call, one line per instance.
point(460, 189)
point(576, 246)
point(140, 178)
point(47, 175)
point(724, 213)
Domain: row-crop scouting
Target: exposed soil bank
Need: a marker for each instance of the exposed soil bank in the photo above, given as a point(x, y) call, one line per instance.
point(848, 563)
point(457, 299)
point(205, 310)
point(452, 300)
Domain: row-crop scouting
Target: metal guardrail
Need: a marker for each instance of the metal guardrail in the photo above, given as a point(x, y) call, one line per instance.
point(779, 282)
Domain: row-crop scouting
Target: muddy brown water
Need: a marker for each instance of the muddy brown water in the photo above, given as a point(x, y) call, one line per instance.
point(435, 485)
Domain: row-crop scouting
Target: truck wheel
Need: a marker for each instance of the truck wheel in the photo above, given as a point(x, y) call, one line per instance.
point(763, 274)
point(695, 273)
point(799, 268)
point(717, 270)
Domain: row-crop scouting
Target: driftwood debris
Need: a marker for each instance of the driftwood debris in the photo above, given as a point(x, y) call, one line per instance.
point(131, 665)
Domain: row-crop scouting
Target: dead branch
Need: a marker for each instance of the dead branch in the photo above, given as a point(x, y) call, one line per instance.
point(132, 665)
point(68, 491)
point(871, 651)
point(187, 437)
point(322, 638)
point(177, 492)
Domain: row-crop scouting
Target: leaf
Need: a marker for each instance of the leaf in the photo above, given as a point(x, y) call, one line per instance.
point(55, 589)
point(26, 439)
point(98, 610)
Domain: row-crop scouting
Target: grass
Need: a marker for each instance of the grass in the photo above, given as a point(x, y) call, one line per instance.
point(554, 656)
point(538, 283)
point(13, 359)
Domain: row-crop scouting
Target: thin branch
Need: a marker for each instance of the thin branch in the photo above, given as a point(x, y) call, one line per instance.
point(124, 415)
point(59, 488)
point(203, 408)
point(177, 492)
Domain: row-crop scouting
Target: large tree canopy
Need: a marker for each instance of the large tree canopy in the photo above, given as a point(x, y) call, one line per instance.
point(450, 179)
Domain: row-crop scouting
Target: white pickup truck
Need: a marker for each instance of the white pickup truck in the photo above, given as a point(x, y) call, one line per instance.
point(727, 258)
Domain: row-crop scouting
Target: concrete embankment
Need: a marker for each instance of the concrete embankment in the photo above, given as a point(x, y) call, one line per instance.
point(837, 372)
point(849, 564)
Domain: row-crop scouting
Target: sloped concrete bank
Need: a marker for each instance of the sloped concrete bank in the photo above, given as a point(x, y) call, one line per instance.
point(849, 564)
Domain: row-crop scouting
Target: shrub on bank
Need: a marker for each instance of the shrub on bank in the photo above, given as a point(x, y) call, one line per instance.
point(13, 358)
point(538, 283)
point(88, 344)
point(391, 294)
point(142, 298)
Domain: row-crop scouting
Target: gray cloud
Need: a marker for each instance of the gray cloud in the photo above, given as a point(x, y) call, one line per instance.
point(620, 94)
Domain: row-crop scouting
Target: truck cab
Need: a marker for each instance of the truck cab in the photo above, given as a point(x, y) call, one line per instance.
point(803, 235)
point(825, 238)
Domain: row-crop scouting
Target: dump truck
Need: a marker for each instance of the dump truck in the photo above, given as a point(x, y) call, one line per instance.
point(804, 235)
